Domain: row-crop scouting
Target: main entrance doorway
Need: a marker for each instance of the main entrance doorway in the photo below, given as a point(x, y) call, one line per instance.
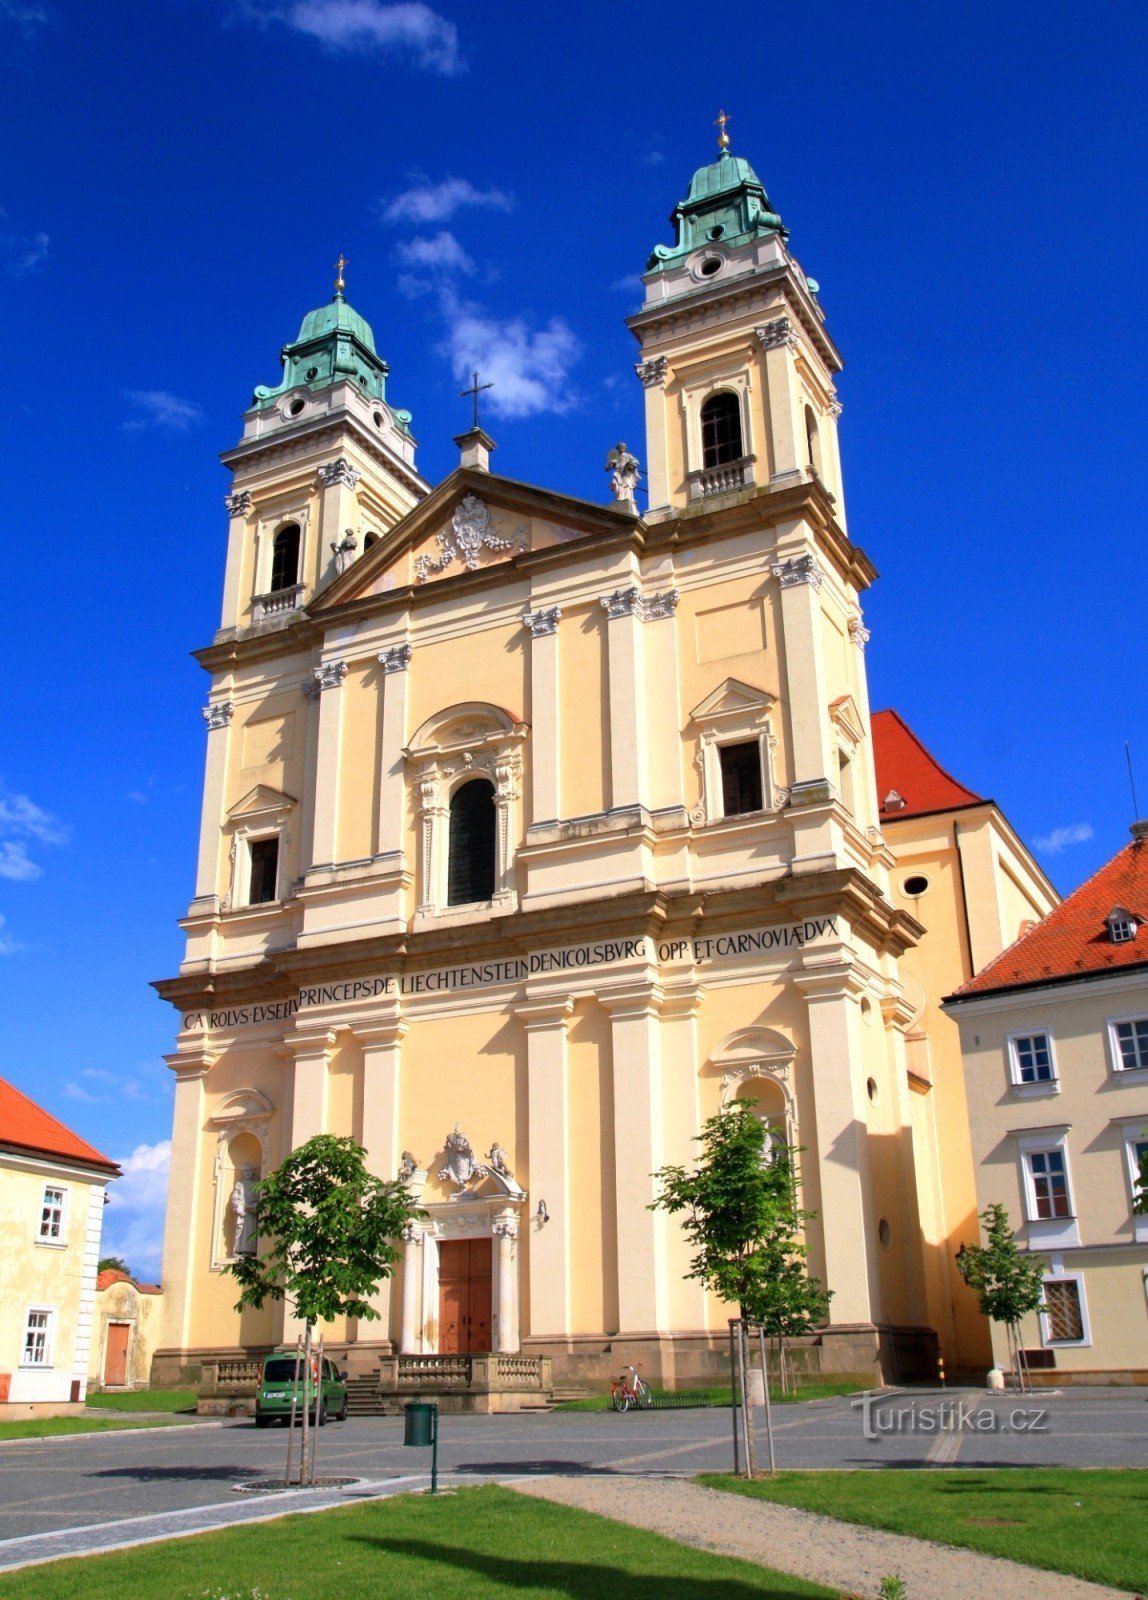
point(463, 1296)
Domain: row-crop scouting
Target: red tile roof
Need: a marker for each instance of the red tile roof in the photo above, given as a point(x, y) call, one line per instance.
point(26, 1126)
point(904, 765)
point(111, 1275)
point(1073, 940)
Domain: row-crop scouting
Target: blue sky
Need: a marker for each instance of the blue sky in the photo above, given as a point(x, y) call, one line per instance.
point(177, 177)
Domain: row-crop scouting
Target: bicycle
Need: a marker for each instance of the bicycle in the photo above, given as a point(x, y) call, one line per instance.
point(630, 1391)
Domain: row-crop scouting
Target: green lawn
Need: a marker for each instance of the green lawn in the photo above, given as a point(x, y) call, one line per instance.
point(479, 1544)
point(814, 1389)
point(45, 1427)
point(1092, 1524)
point(144, 1400)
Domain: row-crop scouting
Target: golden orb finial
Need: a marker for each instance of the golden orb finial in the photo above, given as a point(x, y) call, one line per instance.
point(723, 137)
point(339, 265)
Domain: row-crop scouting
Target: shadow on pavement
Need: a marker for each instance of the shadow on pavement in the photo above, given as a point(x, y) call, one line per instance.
point(188, 1474)
point(546, 1469)
point(580, 1580)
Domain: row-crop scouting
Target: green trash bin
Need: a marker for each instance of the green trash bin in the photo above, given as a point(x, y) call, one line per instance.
point(420, 1423)
point(422, 1429)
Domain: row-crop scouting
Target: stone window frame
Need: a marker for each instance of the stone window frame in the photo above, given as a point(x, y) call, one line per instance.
point(470, 740)
point(1046, 1232)
point(59, 1240)
point(759, 1053)
point(1085, 1341)
point(267, 525)
point(1115, 1056)
point(849, 731)
point(694, 392)
point(1133, 1131)
point(734, 713)
point(263, 813)
point(1039, 1086)
point(51, 1314)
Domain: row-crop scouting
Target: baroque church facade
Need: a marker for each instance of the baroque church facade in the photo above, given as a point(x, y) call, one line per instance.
point(536, 830)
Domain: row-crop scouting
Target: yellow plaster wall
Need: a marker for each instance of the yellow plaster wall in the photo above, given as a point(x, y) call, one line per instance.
point(360, 770)
point(584, 702)
point(34, 1274)
point(593, 1241)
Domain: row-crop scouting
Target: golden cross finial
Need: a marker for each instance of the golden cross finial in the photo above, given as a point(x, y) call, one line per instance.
point(723, 137)
point(339, 265)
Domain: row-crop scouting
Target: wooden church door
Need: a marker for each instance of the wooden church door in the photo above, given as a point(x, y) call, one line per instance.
point(464, 1296)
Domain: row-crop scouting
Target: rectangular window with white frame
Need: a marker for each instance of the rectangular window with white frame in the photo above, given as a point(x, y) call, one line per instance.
point(1064, 1316)
point(1135, 1157)
point(1048, 1190)
point(263, 863)
point(39, 1331)
point(1032, 1064)
point(53, 1212)
point(1128, 1043)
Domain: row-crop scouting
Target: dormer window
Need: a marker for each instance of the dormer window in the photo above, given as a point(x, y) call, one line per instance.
point(1122, 925)
point(721, 430)
point(893, 801)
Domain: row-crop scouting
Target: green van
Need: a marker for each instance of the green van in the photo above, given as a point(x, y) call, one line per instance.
point(277, 1381)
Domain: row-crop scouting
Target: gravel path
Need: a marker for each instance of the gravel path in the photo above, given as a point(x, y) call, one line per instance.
point(840, 1555)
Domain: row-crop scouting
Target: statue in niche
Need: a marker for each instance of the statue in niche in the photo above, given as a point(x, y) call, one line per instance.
point(344, 551)
point(496, 1156)
point(463, 1167)
point(625, 473)
point(408, 1166)
point(242, 1207)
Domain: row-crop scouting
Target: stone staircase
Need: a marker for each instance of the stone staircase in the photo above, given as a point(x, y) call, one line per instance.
point(363, 1397)
point(458, 1383)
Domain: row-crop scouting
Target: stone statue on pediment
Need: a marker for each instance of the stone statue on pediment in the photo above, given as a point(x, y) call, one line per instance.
point(625, 473)
point(463, 1168)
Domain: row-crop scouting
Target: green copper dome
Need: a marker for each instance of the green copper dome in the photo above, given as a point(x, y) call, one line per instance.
point(727, 202)
point(335, 345)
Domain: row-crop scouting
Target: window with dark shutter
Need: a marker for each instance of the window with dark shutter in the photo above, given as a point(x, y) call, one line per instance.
point(740, 778)
point(285, 558)
point(721, 430)
point(470, 868)
point(264, 871)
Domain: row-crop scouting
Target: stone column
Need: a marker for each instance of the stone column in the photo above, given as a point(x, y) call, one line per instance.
point(545, 714)
point(181, 1243)
point(506, 1333)
point(841, 1150)
point(628, 708)
point(217, 715)
point(325, 685)
point(381, 1044)
point(636, 1051)
point(409, 1342)
point(546, 1020)
point(391, 828)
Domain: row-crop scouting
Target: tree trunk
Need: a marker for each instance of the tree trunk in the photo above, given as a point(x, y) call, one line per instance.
point(303, 1458)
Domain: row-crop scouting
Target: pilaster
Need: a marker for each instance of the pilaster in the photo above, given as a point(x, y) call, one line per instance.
point(545, 714)
point(238, 506)
point(325, 685)
point(778, 341)
point(181, 1241)
point(394, 662)
point(653, 374)
point(217, 714)
point(338, 512)
point(310, 1055)
point(634, 1012)
point(807, 699)
point(546, 1021)
point(628, 707)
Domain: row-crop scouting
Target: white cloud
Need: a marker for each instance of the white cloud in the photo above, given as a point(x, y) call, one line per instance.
point(26, 14)
point(23, 824)
point(133, 1222)
point(409, 28)
point(7, 943)
point(438, 202)
point(529, 368)
point(16, 865)
point(156, 408)
point(440, 253)
point(631, 283)
point(1059, 839)
point(25, 255)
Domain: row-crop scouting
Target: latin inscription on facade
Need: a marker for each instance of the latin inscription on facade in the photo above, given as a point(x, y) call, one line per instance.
point(515, 969)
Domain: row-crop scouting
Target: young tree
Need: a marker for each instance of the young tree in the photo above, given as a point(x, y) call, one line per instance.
point(1009, 1282)
point(1140, 1202)
point(113, 1264)
point(742, 1219)
point(327, 1236)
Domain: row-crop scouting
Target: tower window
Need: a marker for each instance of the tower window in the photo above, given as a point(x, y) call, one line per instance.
point(740, 778)
point(285, 557)
point(812, 441)
point(470, 866)
point(721, 430)
point(264, 871)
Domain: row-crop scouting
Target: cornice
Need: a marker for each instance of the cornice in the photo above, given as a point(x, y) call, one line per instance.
point(658, 914)
point(248, 452)
point(663, 316)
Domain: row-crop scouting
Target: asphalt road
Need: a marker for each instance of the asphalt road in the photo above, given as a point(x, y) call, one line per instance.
point(101, 1478)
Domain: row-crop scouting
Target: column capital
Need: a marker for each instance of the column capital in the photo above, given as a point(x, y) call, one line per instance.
point(505, 1228)
point(622, 603)
point(386, 1032)
point(632, 602)
point(777, 335)
point(309, 1046)
point(397, 658)
point(218, 714)
point(337, 472)
point(239, 503)
point(632, 1000)
point(653, 371)
point(329, 675)
point(542, 622)
point(858, 632)
point(547, 1011)
point(797, 570)
point(188, 1065)
point(835, 980)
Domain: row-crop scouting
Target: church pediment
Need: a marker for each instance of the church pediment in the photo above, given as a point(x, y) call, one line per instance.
point(732, 699)
point(847, 718)
point(260, 802)
point(472, 521)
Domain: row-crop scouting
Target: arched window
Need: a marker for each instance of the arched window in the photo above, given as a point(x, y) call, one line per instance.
point(721, 430)
point(285, 557)
point(470, 862)
point(812, 441)
point(368, 540)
